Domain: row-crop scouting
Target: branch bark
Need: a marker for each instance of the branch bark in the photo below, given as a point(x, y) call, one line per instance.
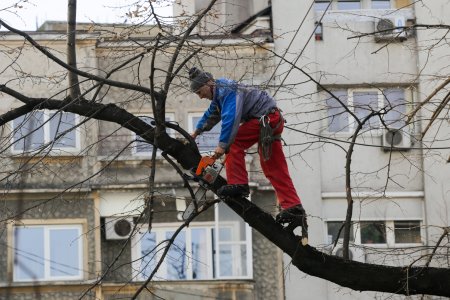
point(74, 84)
point(351, 274)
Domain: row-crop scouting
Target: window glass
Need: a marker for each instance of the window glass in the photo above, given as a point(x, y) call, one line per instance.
point(41, 127)
point(47, 253)
point(141, 147)
point(337, 116)
point(373, 232)
point(196, 253)
point(176, 257)
point(190, 256)
point(365, 103)
point(29, 131)
point(60, 123)
point(148, 254)
point(64, 260)
point(321, 5)
point(199, 253)
point(381, 4)
point(29, 253)
point(394, 100)
point(333, 230)
point(232, 254)
point(407, 232)
point(232, 228)
point(348, 5)
point(208, 140)
point(232, 260)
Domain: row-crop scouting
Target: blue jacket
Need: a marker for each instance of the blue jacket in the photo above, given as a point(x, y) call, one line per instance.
point(233, 103)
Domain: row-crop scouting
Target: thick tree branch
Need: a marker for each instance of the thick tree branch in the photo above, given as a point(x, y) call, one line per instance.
point(71, 48)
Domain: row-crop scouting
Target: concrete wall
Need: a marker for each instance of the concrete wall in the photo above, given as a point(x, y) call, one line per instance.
point(129, 174)
point(417, 187)
point(432, 58)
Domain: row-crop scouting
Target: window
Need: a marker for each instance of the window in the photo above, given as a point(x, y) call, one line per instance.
point(381, 4)
point(407, 232)
point(373, 232)
point(379, 233)
point(141, 147)
point(201, 251)
point(349, 4)
point(333, 228)
point(208, 140)
point(33, 130)
point(43, 253)
point(322, 5)
point(391, 102)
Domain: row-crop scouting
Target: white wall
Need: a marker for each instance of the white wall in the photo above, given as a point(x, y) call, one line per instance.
point(433, 63)
point(318, 170)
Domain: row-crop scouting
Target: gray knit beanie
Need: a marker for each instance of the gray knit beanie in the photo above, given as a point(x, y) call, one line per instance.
point(198, 78)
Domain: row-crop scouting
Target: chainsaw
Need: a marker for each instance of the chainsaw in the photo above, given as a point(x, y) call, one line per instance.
point(207, 172)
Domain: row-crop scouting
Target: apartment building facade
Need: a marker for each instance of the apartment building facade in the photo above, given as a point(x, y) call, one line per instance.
point(74, 190)
point(300, 51)
point(401, 195)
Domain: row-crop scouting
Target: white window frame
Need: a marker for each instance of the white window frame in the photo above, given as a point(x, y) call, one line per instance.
point(147, 154)
point(160, 230)
point(352, 124)
point(192, 126)
point(46, 127)
point(365, 4)
point(350, 104)
point(236, 263)
point(390, 4)
point(46, 258)
point(390, 233)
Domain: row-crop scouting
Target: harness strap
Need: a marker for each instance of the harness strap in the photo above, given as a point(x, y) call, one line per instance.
point(267, 136)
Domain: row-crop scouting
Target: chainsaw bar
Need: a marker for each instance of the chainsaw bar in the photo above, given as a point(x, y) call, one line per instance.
point(206, 173)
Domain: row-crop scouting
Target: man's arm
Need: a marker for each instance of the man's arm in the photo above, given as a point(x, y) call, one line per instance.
point(231, 118)
point(209, 119)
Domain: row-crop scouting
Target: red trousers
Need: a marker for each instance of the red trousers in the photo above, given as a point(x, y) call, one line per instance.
point(275, 169)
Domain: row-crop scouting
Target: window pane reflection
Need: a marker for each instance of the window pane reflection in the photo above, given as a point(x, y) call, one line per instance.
point(148, 254)
point(29, 131)
point(176, 257)
point(373, 232)
point(348, 5)
point(199, 254)
point(407, 232)
point(64, 260)
point(29, 253)
point(364, 104)
point(59, 123)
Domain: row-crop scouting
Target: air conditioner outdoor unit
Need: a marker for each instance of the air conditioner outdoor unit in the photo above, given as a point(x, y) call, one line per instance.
point(395, 139)
point(355, 253)
point(390, 29)
point(118, 228)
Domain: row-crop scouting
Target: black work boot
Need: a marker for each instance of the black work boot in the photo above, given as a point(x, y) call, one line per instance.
point(234, 190)
point(294, 217)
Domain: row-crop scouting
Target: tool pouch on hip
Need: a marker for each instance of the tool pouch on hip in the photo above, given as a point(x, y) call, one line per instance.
point(267, 136)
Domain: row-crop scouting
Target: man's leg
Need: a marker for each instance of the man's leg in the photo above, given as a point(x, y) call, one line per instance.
point(276, 169)
point(237, 176)
point(247, 136)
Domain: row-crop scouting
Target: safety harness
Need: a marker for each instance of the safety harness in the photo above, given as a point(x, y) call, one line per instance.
point(266, 134)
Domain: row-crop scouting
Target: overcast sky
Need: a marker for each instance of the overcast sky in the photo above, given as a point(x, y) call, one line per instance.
point(32, 13)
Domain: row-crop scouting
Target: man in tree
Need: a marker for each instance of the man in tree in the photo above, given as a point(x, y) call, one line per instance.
point(249, 115)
